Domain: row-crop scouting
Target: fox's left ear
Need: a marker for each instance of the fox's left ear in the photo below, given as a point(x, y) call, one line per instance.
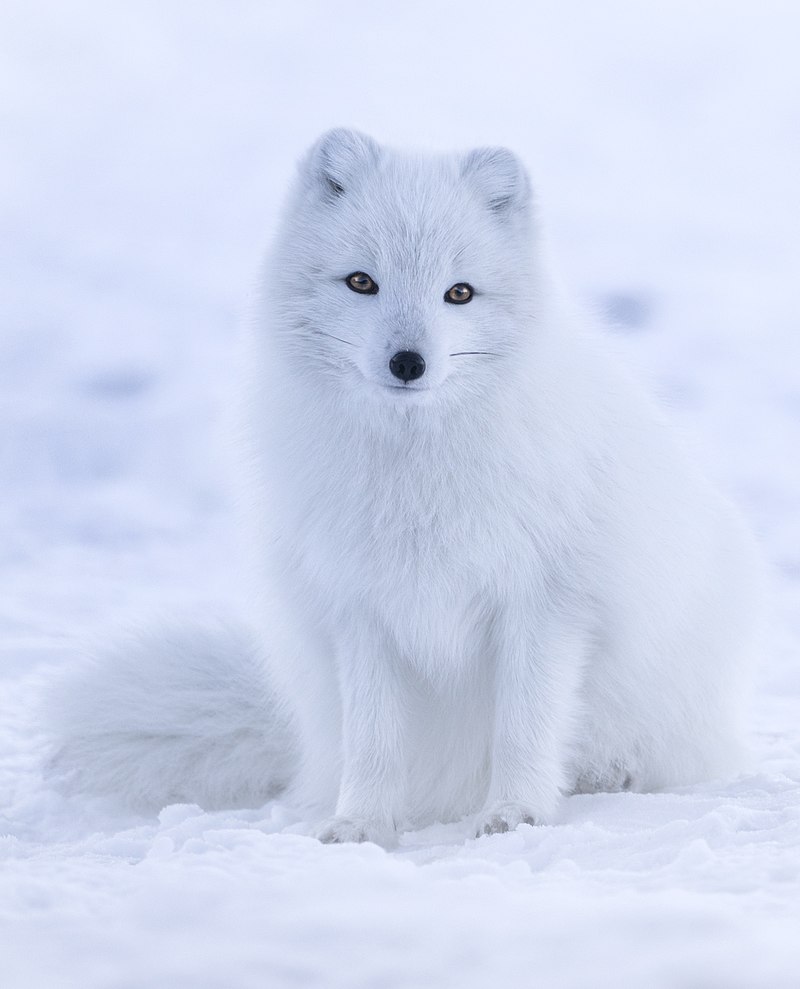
point(500, 178)
point(336, 160)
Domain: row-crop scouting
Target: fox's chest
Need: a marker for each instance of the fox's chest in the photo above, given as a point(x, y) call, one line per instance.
point(425, 535)
point(404, 522)
point(422, 524)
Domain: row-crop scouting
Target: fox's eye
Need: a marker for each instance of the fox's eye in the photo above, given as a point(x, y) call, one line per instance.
point(361, 283)
point(459, 294)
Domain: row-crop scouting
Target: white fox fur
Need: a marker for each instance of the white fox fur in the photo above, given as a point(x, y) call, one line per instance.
point(482, 589)
point(173, 716)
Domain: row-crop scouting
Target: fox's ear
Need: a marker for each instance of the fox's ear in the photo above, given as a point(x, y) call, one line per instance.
point(337, 158)
point(499, 177)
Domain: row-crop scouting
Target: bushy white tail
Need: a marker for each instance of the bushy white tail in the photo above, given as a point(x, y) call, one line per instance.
point(172, 716)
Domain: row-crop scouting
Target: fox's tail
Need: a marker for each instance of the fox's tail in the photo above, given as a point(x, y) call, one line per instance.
point(173, 716)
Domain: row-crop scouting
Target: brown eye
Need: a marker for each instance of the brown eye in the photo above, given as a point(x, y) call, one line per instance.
point(361, 283)
point(459, 294)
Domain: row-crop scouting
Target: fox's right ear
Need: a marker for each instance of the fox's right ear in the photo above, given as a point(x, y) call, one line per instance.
point(335, 161)
point(500, 179)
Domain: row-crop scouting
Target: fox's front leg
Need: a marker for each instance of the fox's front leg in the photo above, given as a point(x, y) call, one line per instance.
point(373, 776)
point(537, 680)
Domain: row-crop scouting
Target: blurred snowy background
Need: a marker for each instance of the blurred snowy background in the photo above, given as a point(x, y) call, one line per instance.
point(144, 151)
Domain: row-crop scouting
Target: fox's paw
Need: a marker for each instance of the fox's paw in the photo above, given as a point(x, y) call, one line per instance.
point(505, 816)
point(341, 830)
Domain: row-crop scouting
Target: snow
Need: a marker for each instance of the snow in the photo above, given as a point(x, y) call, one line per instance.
point(145, 149)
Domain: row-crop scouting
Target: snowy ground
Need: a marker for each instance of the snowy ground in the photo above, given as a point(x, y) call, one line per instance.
point(144, 151)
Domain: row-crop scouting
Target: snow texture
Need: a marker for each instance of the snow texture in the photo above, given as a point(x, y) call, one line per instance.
point(145, 151)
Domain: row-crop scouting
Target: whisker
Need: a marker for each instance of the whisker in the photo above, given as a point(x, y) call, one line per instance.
point(471, 353)
point(340, 339)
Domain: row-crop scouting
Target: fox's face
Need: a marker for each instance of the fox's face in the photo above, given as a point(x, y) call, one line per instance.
point(405, 277)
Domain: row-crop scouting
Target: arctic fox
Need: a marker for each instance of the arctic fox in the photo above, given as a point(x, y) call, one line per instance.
point(491, 578)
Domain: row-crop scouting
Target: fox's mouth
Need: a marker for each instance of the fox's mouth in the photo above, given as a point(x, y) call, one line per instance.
point(405, 394)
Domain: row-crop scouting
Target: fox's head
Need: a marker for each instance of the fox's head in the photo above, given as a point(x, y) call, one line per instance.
point(405, 277)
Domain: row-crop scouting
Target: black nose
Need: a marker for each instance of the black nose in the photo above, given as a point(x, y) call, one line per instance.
point(407, 365)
